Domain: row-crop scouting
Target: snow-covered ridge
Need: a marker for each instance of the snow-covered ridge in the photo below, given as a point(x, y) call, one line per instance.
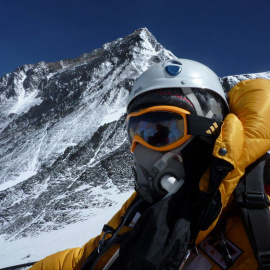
point(230, 81)
point(62, 134)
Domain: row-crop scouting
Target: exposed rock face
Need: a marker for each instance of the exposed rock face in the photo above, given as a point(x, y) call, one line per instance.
point(63, 146)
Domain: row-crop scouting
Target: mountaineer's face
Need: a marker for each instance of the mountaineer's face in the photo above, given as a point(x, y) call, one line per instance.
point(156, 134)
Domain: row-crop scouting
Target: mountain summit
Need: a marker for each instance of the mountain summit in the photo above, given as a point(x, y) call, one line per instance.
point(63, 147)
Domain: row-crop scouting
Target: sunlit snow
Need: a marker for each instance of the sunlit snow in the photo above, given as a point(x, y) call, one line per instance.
point(31, 249)
point(20, 178)
point(25, 102)
point(113, 116)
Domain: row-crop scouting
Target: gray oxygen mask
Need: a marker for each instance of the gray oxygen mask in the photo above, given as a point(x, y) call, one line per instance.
point(157, 174)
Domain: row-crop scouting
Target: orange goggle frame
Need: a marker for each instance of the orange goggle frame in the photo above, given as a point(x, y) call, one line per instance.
point(163, 128)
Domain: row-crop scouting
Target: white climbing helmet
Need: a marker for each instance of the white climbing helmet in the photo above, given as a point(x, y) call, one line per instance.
point(183, 74)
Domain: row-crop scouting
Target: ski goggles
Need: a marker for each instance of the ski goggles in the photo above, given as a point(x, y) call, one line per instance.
point(163, 128)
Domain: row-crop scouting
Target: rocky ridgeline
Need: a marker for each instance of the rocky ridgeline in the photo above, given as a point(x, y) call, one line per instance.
point(62, 131)
point(63, 147)
point(229, 81)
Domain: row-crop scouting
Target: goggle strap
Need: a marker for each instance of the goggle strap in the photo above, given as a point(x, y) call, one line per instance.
point(202, 126)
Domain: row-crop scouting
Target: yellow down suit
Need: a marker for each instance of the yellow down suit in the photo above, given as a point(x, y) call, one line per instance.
point(245, 134)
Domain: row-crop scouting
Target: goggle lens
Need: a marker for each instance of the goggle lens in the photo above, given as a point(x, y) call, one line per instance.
point(157, 128)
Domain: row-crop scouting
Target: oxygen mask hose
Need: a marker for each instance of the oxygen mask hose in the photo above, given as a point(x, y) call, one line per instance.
point(171, 184)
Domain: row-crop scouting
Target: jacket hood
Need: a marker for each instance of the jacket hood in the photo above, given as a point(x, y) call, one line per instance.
point(245, 134)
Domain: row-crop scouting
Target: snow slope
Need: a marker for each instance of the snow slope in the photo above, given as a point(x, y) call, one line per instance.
point(30, 249)
point(63, 143)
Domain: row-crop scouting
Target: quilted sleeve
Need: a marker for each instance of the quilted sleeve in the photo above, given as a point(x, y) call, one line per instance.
point(70, 259)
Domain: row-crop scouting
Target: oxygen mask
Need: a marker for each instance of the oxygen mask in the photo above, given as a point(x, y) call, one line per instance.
point(157, 174)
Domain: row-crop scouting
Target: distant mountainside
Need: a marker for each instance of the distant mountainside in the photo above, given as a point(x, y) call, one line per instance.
point(63, 147)
point(230, 81)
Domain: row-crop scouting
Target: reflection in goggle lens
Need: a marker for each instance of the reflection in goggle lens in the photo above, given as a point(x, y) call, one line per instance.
point(157, 128)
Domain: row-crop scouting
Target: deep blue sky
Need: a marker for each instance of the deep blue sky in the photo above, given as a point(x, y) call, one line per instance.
point(230, 36)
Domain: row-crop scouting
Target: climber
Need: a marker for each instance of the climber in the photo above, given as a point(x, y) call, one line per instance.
point(199, 166)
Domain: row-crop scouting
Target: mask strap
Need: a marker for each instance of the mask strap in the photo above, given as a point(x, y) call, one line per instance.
point(163, 162)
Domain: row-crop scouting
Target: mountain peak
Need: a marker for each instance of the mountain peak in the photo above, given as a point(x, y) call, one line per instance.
point(142, 32)
point(64, 121)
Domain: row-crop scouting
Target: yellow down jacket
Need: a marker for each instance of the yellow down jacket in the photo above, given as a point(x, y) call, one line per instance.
point(245, 134)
